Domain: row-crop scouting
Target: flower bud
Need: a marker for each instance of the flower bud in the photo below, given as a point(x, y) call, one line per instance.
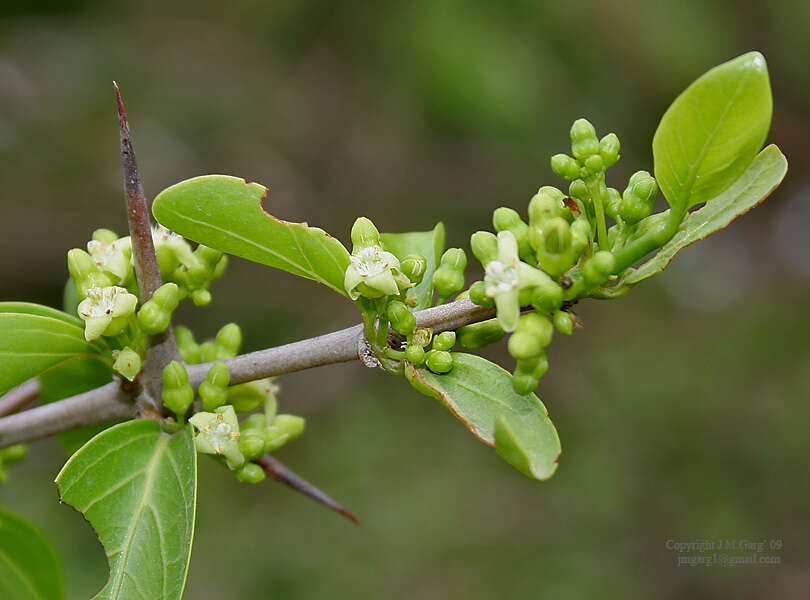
point(506, 219)
point(228, 341)
point(283, 429)
point(127, 363)
point(402, 320)
point(214, 390)
point(484, 246)
point(247, 397)
point(439, 361)
point(209, 352)
point(167, 260)
point(415, 354)
point(583, 139)
point(563, 322)
point(612, 205)
point(565, 166)
point(481, 334)
point(594, 164)
point(478, 294)
point(546, 204)
point(201, 297)
point(528, 373)
point(106, 236)
point(598, 268)
point(364, 234)
point(85, 273)
point(156, 314)
point(445, 340)
point(177, 394)
point(256, 421)
point(251, 443)
point(609, 147)
point(533, 333)
point(547, 297)
point(449, 277)
point(413, 266)
point(250, 473)
point(638, 198)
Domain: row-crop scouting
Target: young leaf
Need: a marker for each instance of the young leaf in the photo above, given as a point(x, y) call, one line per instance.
point(480, 394)
point(38, 339)
point(29, 567)
point(226, 213)
point(429, 244)
point(712, 131)
point(137, 486)
point(758, 181)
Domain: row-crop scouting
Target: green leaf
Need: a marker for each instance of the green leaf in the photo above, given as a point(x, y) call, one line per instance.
point(37, 338)
point(758, 181)
point(712, 131)
point(480, 394)
point(29, 567)
point(429, 244)
point(226, 213)
point(137, 486)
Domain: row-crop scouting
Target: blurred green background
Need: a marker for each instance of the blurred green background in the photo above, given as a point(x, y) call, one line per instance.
point(683, 408)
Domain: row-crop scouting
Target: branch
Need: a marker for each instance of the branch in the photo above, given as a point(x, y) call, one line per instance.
point(280, 472)
point(20, 397)
point(110, 402)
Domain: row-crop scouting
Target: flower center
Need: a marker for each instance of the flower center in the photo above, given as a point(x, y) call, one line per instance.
point(102, 301)
point(500, 278)
point(162, 235)
point(368, 262)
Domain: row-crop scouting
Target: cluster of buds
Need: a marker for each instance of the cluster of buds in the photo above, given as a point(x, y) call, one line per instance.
point(438, 358)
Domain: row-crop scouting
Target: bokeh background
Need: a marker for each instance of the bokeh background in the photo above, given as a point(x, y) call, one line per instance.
point(683, 408)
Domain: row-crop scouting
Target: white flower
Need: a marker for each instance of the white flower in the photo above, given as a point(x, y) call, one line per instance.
point(104, 311)
point(373, 273)
point(174, 244)
point(218, 433)
point(112, 258)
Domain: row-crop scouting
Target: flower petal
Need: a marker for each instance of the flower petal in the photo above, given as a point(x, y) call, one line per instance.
point(508, 307)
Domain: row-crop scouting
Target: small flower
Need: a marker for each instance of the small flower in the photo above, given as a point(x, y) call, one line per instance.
point(218, 433)
point(104, 311)
point(505, 276)
point(112, 258)
point(373, 273)
point(169, 243)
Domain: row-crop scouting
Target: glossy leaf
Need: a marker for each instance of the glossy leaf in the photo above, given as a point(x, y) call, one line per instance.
point(712, 131)
point(480, 394)
point(137, 486)
point(758, 181)
point(226, 213)
point(430, 245)
point(36, 338)
point(29, 567)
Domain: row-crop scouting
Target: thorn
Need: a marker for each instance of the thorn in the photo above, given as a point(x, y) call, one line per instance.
point(280, 472)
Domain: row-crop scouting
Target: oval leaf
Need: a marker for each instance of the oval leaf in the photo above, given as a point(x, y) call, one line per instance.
point(429, 244)
point(29, 567)
point(38, 338)
point(137, 486)
point(712, 131)
point(480, 394)
point(226, 213)
point(759, 180)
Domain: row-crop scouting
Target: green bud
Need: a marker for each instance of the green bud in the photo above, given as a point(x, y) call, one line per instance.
point(547, 297)
point(105, 235)
point(251, 443)
point(219, 269)
point(413, 266)
point(595, 164)
point(250, 473)
point(524, 383)
point(533, 333)
point(583, 139)
point(454, 258)
point(415, 354)
point(528, 373)
point(439, 361)
point(565, 166)
point(557, 234)
point(579, 190)
point(214, 390)
point(547, 203)
point(84, 272)
point(247, 397)
point(484, 246)
point(177, 394)
point(638, 199)
point(402, 320)
point(188, 347)
point(127, 363)
point(481, 334)
point(598, 268)
point(506, 219)
point(228, 341)
point(609, 147)
point(156, 314)
point(209, 351)
point(449, 277)
point(612, 205)
point(445, 340)
point(563, 322)
point(364, 234)
point(167, 260)
point(257, 421)
point(13, 454)
point(201, 297)
point(478, 294)
point(283, 429)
